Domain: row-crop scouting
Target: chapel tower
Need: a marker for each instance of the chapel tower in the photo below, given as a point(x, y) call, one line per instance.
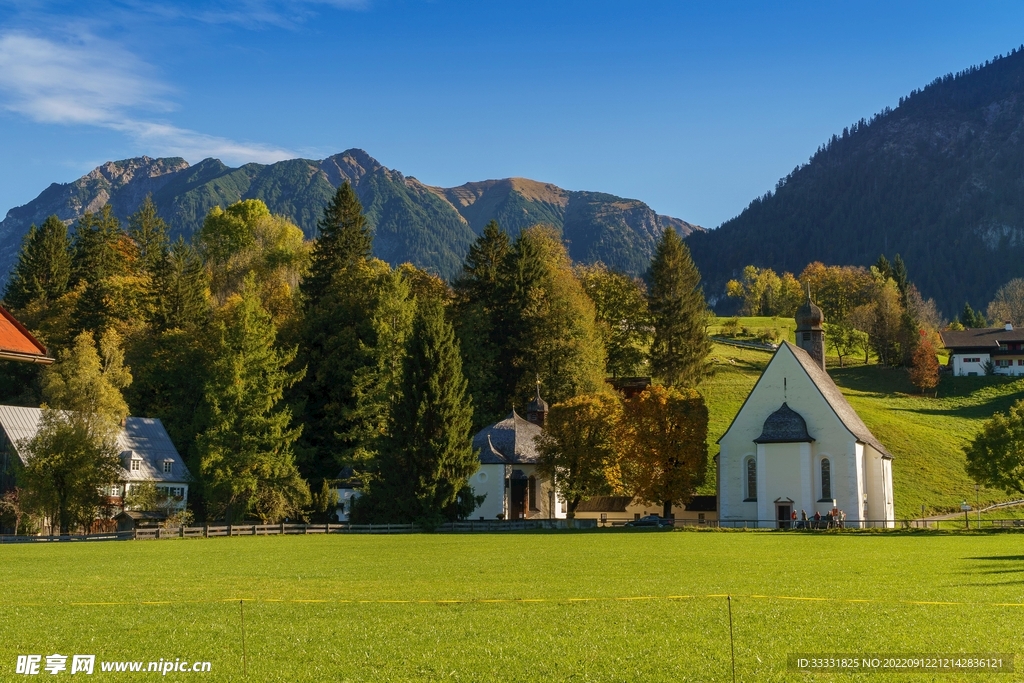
point(810, 335)
point(537, 409)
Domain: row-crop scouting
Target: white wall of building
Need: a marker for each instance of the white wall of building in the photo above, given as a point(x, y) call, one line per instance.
point(793, 471)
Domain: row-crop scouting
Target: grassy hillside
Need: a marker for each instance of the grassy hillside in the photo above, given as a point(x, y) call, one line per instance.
point(925, 435)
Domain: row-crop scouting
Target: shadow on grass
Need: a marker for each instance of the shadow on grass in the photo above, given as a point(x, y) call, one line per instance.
point(1010, 558)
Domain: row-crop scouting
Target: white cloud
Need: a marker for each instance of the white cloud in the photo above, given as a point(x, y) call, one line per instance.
point(86, 80)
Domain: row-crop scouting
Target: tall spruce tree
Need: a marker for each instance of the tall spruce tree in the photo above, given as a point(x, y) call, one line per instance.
point(98, 247)
point(181, 289)
point(680, 347)
point(477, 325)
point(43, 270)
point(343, 238)
point(149, 232)
point(546, 323)
point(245, 453)
point(427, 458)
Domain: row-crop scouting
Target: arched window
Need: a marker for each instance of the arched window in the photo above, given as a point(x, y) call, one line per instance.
point(751, 471)
point(826, 479)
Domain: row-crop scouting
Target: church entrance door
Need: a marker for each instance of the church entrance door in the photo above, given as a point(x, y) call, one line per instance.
point(517, 495)
point(782, 514)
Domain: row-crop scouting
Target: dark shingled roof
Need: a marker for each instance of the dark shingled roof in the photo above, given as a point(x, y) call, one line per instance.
point(981, 338)
point(830, 392)
point(510, 441)
point(537, 405)
point(843, 410)
point(785, 425)
point(809, 316)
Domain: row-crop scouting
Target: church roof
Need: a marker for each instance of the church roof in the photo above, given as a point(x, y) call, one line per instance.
point(809, 315)
point(510, 441)
point(785, 425)
point(537, 405)
point(830, 392)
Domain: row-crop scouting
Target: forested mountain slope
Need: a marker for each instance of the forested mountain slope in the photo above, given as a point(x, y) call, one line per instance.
point(939, 179)
point(430, 226)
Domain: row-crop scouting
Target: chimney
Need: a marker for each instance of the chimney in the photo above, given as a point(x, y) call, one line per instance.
point(1008, 326)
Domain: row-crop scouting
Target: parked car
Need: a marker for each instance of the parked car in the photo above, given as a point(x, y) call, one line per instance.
point(652, 521)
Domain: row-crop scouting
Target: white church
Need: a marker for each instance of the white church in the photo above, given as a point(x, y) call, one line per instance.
point(797, 446)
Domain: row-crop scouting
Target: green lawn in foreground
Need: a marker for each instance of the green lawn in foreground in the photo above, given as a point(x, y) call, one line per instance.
point(338, 637)
point(926, 435)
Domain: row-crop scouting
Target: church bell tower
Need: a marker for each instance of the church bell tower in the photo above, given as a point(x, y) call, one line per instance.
point(810, 336)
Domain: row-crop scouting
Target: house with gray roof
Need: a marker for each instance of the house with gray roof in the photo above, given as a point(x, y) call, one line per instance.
point(147, 455)
point(508, 474)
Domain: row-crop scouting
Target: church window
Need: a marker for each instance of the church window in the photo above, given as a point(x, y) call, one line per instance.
point(533, 492)
point(807, 336)
point(826, 479)
point(751, 471)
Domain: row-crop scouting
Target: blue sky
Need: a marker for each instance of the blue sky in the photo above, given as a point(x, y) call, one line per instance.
point(693, 107)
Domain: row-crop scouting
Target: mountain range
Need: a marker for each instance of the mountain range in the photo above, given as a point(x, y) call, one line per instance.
point(939, 179)
point(429, 226)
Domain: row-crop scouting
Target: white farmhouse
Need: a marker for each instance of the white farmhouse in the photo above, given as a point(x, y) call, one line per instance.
point(147, 455)
point(972, 349)
point(796, 445)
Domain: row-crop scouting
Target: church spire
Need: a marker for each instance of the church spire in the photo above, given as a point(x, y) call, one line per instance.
point(810, 333)
point(537, 409)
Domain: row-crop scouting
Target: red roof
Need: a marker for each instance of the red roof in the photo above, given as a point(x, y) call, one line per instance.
point(17, 343)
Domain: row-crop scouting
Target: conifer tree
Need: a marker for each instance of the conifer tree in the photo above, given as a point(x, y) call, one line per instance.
point(427, 458)
point(343, 238)
point(181, 289)
point(377, 382)
point(546, 323)
point(43, 270)
point(245, 453)
point(679, 312)
point(477, 325)
point(149, 232)
point(98, 248)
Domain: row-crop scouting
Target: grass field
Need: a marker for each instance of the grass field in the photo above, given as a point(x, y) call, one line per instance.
point(607, 605)
point(925, 434)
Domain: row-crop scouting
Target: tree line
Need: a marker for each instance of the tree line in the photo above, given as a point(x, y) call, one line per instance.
point(276, 363)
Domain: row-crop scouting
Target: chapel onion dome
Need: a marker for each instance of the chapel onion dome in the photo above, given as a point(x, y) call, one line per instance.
point(809, 315)
point(537, 405)
point(785, 425)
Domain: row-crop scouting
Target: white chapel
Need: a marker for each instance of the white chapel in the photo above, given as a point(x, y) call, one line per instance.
point(796, 445)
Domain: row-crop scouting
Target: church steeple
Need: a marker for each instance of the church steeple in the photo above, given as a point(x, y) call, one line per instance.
point(810, 335)
point(537, 409)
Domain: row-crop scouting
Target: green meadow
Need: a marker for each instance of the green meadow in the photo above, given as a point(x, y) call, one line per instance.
point(607, 605)
point(925, 434)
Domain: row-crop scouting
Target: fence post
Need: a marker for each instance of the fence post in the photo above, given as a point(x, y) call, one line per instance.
point(230, 530)
point(181, 531)
point(282, 528)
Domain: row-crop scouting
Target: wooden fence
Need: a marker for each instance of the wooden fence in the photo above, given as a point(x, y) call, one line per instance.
point(209, 531)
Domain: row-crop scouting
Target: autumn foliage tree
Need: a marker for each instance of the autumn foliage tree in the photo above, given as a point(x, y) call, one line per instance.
point(662, 446)
point(577, 447)
point(924, 368)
